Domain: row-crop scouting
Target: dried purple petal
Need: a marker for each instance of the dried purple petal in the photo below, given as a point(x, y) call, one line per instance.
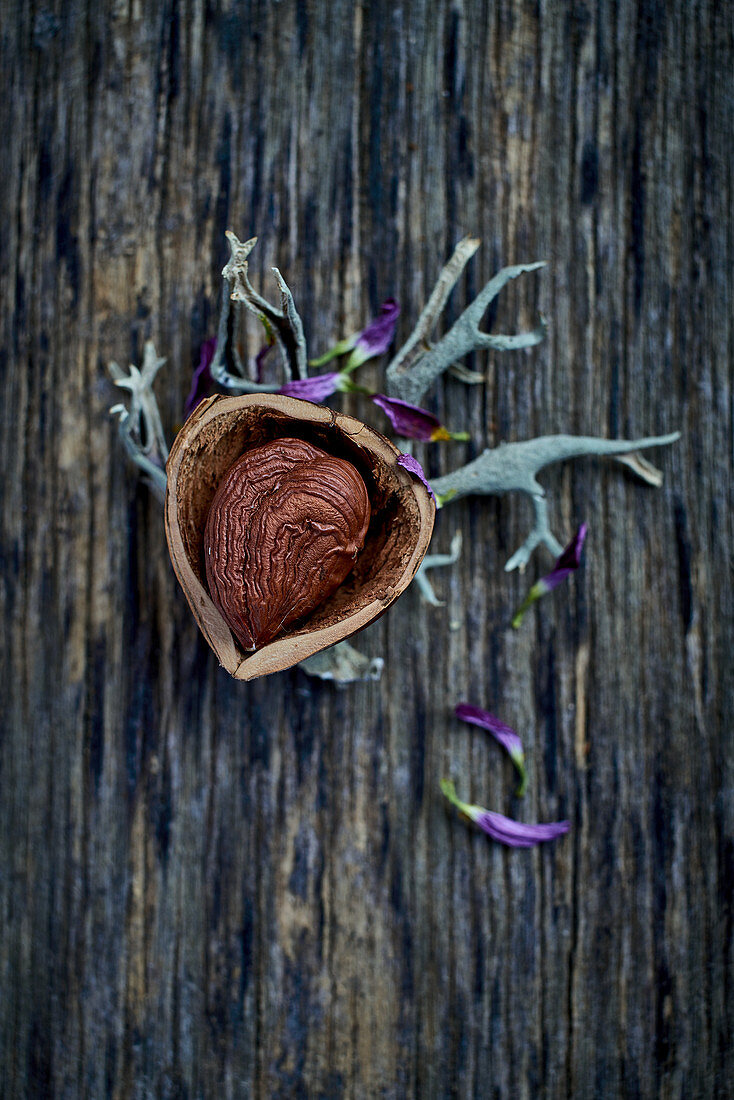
point(569, 560)
point(202, 383)
point(413, 466)
point(566, 564)
point(412, 422)
point(373, 340)
point(377, 337)
point(506, 736)
point(314, 389)
point(515, 834)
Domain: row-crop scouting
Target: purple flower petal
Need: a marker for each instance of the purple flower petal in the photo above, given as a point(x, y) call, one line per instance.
point(413, 466)
point(569, 560)
point(410, 421)
point(566, 564)
point(506, 736)
point(377, 337)
point(478, 717)
point(202, 382)
point(373, 340)
point(515, 834)
point(315, 389)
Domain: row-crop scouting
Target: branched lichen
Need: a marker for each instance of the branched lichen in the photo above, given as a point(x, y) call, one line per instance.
point(436, 561)
point(343, 664)
point(418, 365)
point(218, 369)
point(513, 467)
point(141, 429)
point(284, 325)
point(510, 467)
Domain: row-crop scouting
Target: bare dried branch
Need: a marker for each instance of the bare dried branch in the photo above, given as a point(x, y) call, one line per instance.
point(417, 367)
point(513, 467)
point(343, 664)
point(140, 426)
point(285, 324)
point(218, 369)
point(417, 342)
point(436, 561)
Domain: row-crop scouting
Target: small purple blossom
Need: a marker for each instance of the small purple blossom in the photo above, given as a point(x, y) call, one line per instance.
point(373, 340)
point(202, 382)
point(506, 736)
point(566, 564)
point(377, 337)
point(412, 422)
point(515, 834)
point(569, 560)
point(315, 389)
point(413, 466)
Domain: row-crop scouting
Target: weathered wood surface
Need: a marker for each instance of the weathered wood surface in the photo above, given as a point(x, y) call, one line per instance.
point(214, 889)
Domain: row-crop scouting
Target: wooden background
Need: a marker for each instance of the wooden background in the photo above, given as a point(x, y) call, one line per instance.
point(215, 889)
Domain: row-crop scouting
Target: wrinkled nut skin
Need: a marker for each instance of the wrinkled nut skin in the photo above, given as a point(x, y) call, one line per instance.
point(282, 533)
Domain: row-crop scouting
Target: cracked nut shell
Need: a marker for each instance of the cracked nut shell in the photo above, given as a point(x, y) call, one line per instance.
point(292, 615)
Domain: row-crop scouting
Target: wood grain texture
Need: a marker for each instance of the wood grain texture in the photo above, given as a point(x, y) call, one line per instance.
point(212, 888)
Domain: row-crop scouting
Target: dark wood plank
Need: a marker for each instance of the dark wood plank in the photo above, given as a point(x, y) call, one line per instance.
point(221, 889)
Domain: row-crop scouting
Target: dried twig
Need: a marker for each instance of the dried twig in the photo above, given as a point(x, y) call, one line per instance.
point(512, 467)
point(141, 429)
point(417, 365)
point(285, 324)
point(436, 561)
point(343, 665)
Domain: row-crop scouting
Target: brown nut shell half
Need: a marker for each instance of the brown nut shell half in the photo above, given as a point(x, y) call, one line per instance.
point(216, 434)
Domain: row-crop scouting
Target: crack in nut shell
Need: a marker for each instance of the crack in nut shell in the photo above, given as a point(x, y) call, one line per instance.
point(282, 533)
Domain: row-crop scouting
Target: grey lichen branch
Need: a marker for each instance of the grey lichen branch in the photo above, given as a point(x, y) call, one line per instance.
point(642, 468)
point(140, 425)
point(540, 535)
point(418, 342)
point(285, 324)
point(468, 377)
point(343, 664)
point(418, 365)
point(513, 467)
point(218, 369)
point(436, 561)
point(294, 329)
